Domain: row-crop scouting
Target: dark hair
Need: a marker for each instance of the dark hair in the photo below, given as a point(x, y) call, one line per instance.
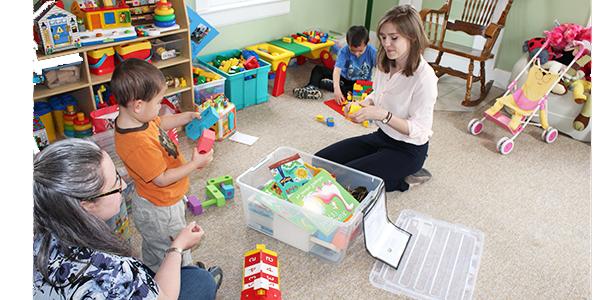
point(136, 79)
point(65, 173)
point(357, 35)
point(408, 24)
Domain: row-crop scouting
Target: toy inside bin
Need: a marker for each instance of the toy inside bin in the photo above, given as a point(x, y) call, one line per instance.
point(272, 54)
point(61, 75)
point(246, 88)
point(305, 229)
point(140, 50)
point(316, 49)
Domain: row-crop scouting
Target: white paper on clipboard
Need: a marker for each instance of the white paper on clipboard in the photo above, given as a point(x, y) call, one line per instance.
point(383, 240)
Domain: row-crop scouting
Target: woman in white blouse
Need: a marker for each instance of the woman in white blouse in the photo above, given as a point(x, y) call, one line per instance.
point(405, 91)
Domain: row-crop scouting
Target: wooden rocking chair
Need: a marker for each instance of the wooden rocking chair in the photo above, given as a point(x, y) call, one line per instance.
point(475, 21)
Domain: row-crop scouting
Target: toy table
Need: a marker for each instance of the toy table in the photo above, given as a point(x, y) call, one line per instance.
point(301, 50)
point(279, 58)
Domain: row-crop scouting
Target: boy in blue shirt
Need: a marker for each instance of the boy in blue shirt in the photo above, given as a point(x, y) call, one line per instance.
point(355, 62)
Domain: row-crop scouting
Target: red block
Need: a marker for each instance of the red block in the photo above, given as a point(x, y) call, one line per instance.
point(206, 141)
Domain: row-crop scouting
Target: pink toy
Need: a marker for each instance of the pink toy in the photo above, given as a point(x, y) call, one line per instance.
point(206, 141)
point(562, 37)
point(194, 205)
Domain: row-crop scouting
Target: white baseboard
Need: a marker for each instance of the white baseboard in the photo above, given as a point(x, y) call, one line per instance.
point(499, 76)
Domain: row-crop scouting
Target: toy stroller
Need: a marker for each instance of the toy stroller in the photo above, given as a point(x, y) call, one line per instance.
point(526, 101)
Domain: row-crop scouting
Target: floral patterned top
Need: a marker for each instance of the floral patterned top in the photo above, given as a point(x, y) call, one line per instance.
point(90, 274)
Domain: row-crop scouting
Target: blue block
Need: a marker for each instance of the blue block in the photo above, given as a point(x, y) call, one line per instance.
point(209, 117)
point(193, 130)
point(323, 237)
point(231, 121)
point(227, 190)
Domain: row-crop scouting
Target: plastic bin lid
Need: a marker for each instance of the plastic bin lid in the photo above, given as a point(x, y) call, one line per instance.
point(441, 262)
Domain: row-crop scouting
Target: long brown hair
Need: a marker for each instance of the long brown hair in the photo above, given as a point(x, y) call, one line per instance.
point(408, 24)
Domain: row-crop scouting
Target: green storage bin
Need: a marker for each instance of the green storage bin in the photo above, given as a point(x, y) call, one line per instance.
point(245, 88)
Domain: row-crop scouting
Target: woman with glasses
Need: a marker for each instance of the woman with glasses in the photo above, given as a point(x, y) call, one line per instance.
point(76, 256)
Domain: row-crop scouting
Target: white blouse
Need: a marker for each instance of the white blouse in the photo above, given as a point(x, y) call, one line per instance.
point(410, 98)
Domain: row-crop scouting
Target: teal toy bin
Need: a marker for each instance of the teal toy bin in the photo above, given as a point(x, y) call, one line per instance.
point(245, 88)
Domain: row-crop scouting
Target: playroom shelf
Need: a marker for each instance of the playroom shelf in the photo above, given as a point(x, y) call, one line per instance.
point(41, 56)
point(41, 91)
point(178, 67)
point(172, 91)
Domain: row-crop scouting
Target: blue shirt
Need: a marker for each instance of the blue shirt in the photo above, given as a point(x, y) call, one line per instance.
point(356, 68)
point(90, 274)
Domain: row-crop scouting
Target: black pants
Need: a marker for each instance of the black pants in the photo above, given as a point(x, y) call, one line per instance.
point(380, 155)
point(321, 72)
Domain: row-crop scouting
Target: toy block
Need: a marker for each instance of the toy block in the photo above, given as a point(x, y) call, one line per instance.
point(209, 117)
point(365, 124)
point(320, 118)
point(206, 141)
point(213, 193)
point(194, 205)
point(227, 190)
point(216, 181)
point(193, 130)
point(330, 122)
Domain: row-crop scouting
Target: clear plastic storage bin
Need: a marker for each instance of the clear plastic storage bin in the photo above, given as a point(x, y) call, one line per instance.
point(172, 47)
point(296, 226)
point(204, 91)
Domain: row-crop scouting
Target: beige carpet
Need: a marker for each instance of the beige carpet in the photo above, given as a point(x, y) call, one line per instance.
point(533, 205)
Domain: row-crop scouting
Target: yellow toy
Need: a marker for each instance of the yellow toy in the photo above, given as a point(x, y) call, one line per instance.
point(524, 100)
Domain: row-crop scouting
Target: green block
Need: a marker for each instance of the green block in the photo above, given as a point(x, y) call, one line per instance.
point(213, 193)
point(216, 181)
point(208, 203)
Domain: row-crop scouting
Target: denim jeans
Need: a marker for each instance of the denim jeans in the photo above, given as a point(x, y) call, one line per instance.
point(196, 283)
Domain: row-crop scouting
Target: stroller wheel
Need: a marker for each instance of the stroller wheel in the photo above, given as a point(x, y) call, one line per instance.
point(550, 135)
point(475, 126)
point(505, 145)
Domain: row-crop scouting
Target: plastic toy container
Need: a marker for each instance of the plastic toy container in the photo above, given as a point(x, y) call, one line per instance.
point(295, 225)
point(441, 261)
point(245, 88)
point(140, 50)
point(206, 90)
point(272, 54)
point(101, 61)
point(61, 75)
point(171, 44)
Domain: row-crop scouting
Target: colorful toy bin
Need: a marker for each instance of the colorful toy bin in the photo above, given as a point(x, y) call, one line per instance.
point(300, 227)
point(207, 84)
point(101, 61)
point(140, 50)
point(245, 88)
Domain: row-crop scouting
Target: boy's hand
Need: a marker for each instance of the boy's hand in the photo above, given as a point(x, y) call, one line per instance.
point(202, 160)
point(192, 115)
point(189, 236)
point(338, 96)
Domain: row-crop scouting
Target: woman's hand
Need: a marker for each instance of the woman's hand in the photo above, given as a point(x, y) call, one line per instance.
point(368, 112)
point(189, 236)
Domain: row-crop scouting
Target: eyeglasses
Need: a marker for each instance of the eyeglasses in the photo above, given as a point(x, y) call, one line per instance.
point(118, 190)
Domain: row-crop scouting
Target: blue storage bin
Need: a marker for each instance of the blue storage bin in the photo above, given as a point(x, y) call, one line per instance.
point(245, 88)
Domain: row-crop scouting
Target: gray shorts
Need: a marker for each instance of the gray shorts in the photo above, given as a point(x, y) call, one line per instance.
point(156, 225)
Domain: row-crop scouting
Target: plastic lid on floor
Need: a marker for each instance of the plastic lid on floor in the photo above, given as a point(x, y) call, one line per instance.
point(441, 261)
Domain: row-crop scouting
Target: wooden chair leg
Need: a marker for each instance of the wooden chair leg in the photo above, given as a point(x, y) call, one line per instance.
point(438, 60)
point(484, 87)
point(469, 84)
point(482, 77)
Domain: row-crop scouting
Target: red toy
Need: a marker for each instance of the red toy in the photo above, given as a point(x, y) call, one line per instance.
point(261, 275)
point(251, 63)
point(206, 141)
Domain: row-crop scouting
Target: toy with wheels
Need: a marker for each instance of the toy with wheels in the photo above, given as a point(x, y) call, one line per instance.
point(525, 102)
